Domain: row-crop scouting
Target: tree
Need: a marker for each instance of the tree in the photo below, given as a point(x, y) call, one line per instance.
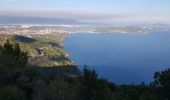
point(57, 90)
point(12, 61)
point(12, 93)
point(12, 57)
point(94, 87)
point(162, 80)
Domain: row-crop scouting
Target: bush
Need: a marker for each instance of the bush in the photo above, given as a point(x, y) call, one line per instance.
point(57, 90)
point(11, 93)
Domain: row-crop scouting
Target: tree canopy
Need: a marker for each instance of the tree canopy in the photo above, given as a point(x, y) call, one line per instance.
point(12, 57)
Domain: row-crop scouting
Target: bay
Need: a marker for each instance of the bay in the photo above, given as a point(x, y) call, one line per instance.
point(121, 58)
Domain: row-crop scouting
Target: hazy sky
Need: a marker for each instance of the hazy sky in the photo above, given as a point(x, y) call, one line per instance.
point(106, 11)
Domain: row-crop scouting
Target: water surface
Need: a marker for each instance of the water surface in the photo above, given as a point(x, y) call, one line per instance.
point(121, 58)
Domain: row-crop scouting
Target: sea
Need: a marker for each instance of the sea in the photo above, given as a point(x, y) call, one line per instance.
point(121, 58)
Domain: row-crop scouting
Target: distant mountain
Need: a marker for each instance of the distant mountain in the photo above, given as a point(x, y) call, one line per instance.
point(153, 24)
point(35, 20)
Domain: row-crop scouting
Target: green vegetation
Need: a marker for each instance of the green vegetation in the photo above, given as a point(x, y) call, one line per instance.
point(162, 80)
point(11, 55)
point(12, 93)
point(44, 50)
point(20, 81)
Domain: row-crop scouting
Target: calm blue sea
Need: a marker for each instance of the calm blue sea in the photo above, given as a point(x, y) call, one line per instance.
point(121, 58)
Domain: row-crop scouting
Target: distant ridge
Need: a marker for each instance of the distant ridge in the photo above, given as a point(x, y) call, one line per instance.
point(35, 20)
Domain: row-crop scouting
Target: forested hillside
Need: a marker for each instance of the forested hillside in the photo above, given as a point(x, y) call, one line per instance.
point(44, 50)
point(18, 81)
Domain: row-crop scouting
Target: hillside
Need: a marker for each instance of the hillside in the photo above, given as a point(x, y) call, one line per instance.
point(44, 50)
point(19, 81)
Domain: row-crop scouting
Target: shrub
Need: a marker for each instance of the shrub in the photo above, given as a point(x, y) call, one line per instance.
point(11, 93)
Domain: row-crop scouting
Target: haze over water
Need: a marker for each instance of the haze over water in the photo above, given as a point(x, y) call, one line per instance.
point(121, 58)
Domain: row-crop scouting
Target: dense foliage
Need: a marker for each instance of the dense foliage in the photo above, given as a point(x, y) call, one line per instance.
point(21, 82)
point(12, 56)
point(44, 50)
point(162, 80)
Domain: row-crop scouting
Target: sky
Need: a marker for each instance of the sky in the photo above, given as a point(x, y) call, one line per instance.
point(97, 11)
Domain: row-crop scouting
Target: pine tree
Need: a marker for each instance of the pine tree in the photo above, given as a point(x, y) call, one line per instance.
point(12, 57)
